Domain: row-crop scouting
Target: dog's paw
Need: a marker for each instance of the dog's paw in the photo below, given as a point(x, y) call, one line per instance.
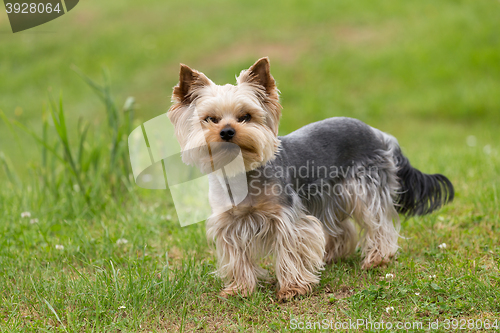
point(289, 293)
point(286, 295)
point(375, 261)
point(232, 291)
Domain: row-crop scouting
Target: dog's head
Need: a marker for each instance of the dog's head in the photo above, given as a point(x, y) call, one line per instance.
point(246, 114)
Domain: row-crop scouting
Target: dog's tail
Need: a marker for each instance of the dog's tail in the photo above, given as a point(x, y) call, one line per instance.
point(420, 193)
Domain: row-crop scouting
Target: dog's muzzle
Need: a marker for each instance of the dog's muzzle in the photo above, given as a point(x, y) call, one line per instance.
point(227, 133)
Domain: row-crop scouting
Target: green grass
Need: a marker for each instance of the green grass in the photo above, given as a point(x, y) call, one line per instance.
point(425, 72)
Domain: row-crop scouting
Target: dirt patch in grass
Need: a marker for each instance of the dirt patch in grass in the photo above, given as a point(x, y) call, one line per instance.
point(343, 292)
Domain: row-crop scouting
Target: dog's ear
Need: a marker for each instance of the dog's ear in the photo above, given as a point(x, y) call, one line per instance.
point(260, 74)
point(189, 81)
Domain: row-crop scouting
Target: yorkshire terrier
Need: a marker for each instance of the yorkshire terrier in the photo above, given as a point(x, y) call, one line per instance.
point(305, 189)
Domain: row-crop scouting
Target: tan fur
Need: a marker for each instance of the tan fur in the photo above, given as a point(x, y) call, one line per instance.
point(259, 77)
point(259, 228)
point(299, 250)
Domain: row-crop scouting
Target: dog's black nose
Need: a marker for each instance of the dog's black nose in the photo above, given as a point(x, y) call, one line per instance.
point(227, 133)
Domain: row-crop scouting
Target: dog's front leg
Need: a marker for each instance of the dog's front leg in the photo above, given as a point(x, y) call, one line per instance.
point(236, 267)
point(299, 250)
point(235, 247)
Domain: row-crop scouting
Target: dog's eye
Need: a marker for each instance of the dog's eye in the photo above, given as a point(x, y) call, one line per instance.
point(245, 118)
point(211, 119)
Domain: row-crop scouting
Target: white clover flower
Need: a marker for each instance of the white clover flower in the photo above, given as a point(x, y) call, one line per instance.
point(389, 309)
point(121, 241)
point(389, 276)
point(442, 246)
point(33, 221)
point(60, 247)
point(471, 141)
point(25, 214)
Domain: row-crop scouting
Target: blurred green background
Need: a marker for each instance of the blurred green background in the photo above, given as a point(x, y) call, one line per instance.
point(401, 66)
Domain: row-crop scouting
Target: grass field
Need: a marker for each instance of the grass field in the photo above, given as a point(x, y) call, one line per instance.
point(99, 254)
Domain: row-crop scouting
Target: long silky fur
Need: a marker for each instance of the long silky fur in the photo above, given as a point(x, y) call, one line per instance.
point(294, 238)
point(420, 193)
point(368, 198)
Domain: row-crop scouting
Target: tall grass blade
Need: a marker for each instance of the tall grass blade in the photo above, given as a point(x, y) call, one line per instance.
point(9, 171)
point(62, 131)
point(55, 313)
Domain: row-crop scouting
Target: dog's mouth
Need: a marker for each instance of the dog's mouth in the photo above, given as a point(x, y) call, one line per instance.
point(221, 154)
point(254, 147)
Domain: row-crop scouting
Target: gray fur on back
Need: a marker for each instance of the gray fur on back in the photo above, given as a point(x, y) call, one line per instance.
point(353, 156)
point(335, 142)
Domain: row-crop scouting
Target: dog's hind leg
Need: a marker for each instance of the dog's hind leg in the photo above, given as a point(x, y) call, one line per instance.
point(342, 243)
point(332, 208)
point(376, 214)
